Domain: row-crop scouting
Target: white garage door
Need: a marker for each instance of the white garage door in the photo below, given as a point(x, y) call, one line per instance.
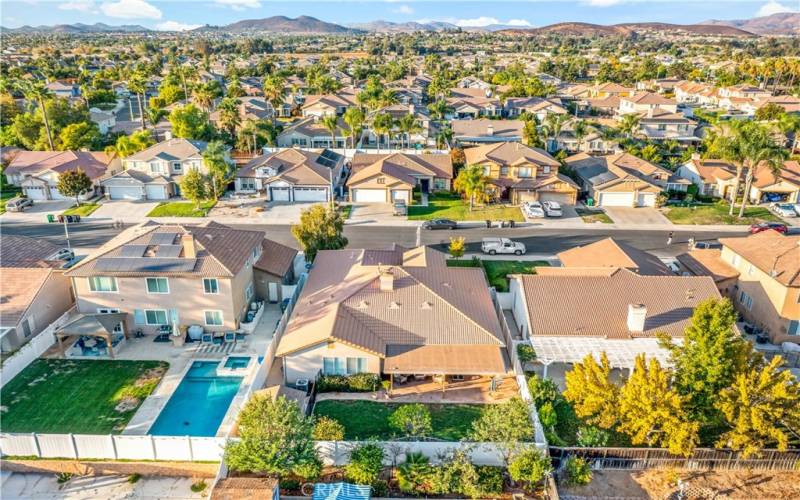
point(400, 195)
point(125, 193)
point(279, 194)
point(369, 195)
point(35, 193)
point(562, 198)
point(616, 200)
point(310, 194)
point(156, 192)
point(55, 194)
point(646, 200)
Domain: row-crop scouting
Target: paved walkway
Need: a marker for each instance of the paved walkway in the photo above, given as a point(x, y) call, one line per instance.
point(46, 487)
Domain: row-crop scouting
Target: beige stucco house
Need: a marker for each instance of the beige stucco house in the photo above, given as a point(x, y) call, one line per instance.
point(386, 178)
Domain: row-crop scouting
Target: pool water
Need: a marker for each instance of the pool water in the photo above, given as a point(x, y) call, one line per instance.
point(199, 404)
point(237, 362)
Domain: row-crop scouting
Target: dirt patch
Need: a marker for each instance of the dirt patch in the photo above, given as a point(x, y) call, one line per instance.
point(663, 484)
point(126, 405)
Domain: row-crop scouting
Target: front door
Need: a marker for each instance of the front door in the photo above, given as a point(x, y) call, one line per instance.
point(425, 185)
point(273, 292)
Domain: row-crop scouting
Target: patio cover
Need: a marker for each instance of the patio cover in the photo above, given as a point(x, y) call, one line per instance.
point(621, 353)
point(341, 491)
point(94, 325)
point(445, 360)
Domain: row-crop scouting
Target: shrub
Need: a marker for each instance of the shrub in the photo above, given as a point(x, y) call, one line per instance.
point(360, 382)
point(328, 429)
point(63, 477)
point(530, 467)
point(547, 415)
point(411, 420)
point(490, 480)
point(525, 353)
point(366, 462)
point(199, 486)
point(591, 436)
point(577, 471)
point(380, 488)
point(413, 475)
point(134, 478)
point(456, 476)
point(542, 390)
point(289, 484)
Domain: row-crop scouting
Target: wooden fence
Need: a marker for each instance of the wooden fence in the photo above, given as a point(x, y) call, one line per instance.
point(659, 458)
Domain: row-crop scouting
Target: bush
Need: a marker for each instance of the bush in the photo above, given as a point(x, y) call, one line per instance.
point(380, 488)
point(457, 476)
point(328, 429)
point(412, 420)
point(134, 478)
point(525, 353)
point(490, 480)
point(366, 463)
point(542, 390)
point(289, 484)
point(199, 486)
point(593, 437)
point(413, 475)
point(577, 471)
point(530, 467)
point(360, 382)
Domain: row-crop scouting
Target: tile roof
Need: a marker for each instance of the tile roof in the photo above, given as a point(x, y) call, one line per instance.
point(711, 170)
point(312, 127)
point(611, 253)
point(596, 305)
point(509, 153)
point(479, 128)
point(764, 176)
point(20, 286)
point(604, 171)
point(296, 166)
point(23, 251)
point(707, 262)
point(171, 149)
point(772, 253)
point(649, 98)
point(401, 166)
point(93, 163)
point(275, 259)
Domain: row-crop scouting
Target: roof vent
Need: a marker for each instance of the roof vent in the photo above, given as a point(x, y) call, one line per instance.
point(363, 304)
point(394, 305)
point(426, 305)
point(636, 316)
point(690, 294)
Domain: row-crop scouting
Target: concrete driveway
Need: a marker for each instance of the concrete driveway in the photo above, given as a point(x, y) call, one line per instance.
point(637, 216)
point(38, 212)
point(374, 212)
point(133, 211)
point(276, 212)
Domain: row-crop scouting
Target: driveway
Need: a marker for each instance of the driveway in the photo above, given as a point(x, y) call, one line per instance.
point(38, 212)
point(133, 211)
point(637, 216)
point(276, 212)
point(569, 216)
point(374, 212)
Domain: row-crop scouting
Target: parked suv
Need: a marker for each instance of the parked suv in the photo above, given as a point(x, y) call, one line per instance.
point(400, 208)
point(533, 209)
point(19, 204)
point(552, 209)
point(493, 246)
point(785, 209)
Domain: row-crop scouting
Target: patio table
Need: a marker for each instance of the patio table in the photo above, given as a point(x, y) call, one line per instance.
point(90, 343)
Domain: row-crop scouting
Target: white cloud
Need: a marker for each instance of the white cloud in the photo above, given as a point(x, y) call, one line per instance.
point(603, 3)
point(403, 9)
point(477, 22)
point(80, 5)
point(773, 7)
point(240, 4)
point(518, 22)
point(131, 9)
point(176, 26)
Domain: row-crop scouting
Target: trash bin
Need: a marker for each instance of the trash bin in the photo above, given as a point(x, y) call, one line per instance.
point(51, 218)
point(502, 223)
point(589, 202)
point(76, 218)
point(60, 219)
point(70, 219)
point(488, 223)
point(511, 223)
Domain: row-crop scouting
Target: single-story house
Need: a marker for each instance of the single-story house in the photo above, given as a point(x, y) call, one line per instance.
point(310, 133)
point(609, 252)
point(37, 172)
point(484, 130)
point(712, 177)
point(385, 178)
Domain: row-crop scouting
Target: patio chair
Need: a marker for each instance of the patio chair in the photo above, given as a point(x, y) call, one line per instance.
point(218, 340)
point(207, 338)
point(230, 337)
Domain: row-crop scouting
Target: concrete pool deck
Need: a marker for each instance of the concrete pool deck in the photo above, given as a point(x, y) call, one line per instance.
point(180, 360)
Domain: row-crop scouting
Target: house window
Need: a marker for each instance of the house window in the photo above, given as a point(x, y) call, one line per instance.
point(794, 327)
point(487, 170)
point(750, 269)
point(213, 318)
point(735, 260)
point(155, 167)
point(247, 184)
point(356, 365)
point(380, 180)
point(155, 317)
point(103, 284)
point(524, 172)
point(334, 366)
point(157, 285)
point(176, 166)
point(662, 127)
point(298, 141)
point(210, 286)
point(546, 169)
point(503, 171)
point(439, 184)
point(746, 300)
point(248, 292)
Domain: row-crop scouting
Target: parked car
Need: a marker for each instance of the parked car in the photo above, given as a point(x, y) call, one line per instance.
point(533, 209)
point(785, 209)
point(552, 209)
point(18, 204)
point(493, 246)
point(708, 245)
point(439, 224)
point(400, 208)
point(764, 226)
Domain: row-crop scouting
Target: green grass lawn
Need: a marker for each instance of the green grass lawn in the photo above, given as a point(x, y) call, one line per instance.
point(84, 210)
point(370, 420)
point(497, 271)
point(346, 210)
point(181, 209)
point(451, 206)
point(77, 396)
point(717, 214)
point(592, 216)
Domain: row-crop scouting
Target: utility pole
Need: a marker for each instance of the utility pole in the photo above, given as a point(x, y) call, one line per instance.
point(66, 232)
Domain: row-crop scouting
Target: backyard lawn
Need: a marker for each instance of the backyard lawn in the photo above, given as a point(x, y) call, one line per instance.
point(497, 271)
point(717, 214)
point(451, 206)
point(370, 420)
point(77, 396)
point(181, 209)
point(84, 210)
point(592, 216)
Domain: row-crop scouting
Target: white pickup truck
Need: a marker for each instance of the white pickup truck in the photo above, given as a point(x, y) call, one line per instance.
point(493, 246)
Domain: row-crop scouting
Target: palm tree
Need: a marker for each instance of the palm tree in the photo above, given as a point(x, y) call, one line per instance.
point(229, 116)
point(154, 115)
point(382, 124)
point(273, 90)
point(444, 137)
point(581, 130)
point(629, 124)
point(438, 109)
point(138, 85)
point(759, 150)
point(203, 96)
point(331, 124)
point(553, 125)
point(184, 73)
point(218, 167)
point(408, 125)
point(354, 118)
point(789, 125)
point(473, 184)
point(36, 91)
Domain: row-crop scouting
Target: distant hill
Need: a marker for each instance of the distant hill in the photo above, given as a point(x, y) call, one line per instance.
point(381, 26)
point(784, 23)
point(280, 24)
point(79, 28)
point(593, 30)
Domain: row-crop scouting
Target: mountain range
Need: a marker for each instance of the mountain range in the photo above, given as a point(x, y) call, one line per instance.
point(281, 24)
point(588, 29)
point(783, 23)
point(79, 28)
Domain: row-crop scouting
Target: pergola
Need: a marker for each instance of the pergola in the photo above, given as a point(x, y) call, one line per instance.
point(92, 325)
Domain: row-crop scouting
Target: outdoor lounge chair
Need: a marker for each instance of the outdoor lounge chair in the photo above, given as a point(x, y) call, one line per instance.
point(230, 337)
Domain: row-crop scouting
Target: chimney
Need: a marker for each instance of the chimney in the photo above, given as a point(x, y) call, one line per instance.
point(168, 135)
point(189, 249)
point(636, 316)
point(490, 130)
point(387, 281)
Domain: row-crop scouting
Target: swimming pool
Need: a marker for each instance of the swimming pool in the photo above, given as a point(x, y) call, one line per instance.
point(237, 362)
point(199, 404)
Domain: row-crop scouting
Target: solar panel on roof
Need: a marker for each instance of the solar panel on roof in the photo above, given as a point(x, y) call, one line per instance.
point(329, 158)
point(165, 251)
point(145, 264)
point(163, 238)
point(132, 250)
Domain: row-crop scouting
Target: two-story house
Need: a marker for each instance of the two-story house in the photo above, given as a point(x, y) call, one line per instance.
point(311, 133)
point(329, 104)
point(535, 106)
point(715, 178)
point(397, 137)
point(521, 173)
point(386, 178)
point(472, 103)
point(155, 173)
point(644, 103)
point(37, 172)
point(484, 131)
point(662, 125)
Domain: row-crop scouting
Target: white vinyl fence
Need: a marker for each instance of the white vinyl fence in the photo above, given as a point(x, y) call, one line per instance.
point(32, 350)
point(113, 447)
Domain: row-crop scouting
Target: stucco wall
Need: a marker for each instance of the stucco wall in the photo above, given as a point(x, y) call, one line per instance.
point(53, 300)
point(308, 362)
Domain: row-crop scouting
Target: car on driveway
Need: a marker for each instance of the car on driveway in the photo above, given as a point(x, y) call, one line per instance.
point(399, 208)
point(766, 226)
point(533, 210)
point(785, 209)
point(493, 246)
point(439, 224)
point(552, 209)
point(19, 204)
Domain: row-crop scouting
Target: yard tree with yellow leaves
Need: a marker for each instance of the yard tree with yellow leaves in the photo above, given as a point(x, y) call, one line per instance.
point(591, 392)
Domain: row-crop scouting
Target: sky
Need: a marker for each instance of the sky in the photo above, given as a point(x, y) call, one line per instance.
point(188, 14)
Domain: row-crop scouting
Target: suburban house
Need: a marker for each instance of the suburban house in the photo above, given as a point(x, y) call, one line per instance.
point(64, 89)
point(163, 274)
point(472, 103)
point(610, 89)
point(767, 289)
point(536, 106)
point(663, 125)
point(274, 270)
point(398, 138)
point(790, 104)
point(565, 318)
point(644, 103)
point(521, 173)
point(397, 312)
point(715, 178)
point(718, 178)
point(292, 175)
point(105, 121)
point(687, 92)
point(484, 130)
point(661, 85)
point(708, 262)
point(612, 253)
point(594, 142)
point(329, 104)
point(385, 178)
point(472, 82)
point(37, 172)
point(310, 133)
point(250, 108)
point(35, 290)
point(622, 180)
point(155, 173)
point(744, 91)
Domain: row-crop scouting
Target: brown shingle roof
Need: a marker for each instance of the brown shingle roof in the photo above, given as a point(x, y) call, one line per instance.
point(93, 163)
point(611, 253)
point(20, 286)
point(509, 153)
point(400, 166)
point(772, 253)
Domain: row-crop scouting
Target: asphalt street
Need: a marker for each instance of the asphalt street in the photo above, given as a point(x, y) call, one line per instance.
point(538, 240)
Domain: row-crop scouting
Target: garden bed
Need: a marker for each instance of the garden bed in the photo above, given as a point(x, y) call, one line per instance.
point(594, 216)
point(84, 210)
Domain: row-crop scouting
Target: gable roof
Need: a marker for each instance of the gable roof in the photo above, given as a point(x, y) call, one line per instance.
point(296, 166)
point(20, 287)
point(773, 253)
point(480, 128)
point(93, 163)
point(649, 98)
point(609, 252)
point(509, 153)
point(171, 149)
point(276, 259)
point(23, 251)
point(605, 171)
point(401, 166)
